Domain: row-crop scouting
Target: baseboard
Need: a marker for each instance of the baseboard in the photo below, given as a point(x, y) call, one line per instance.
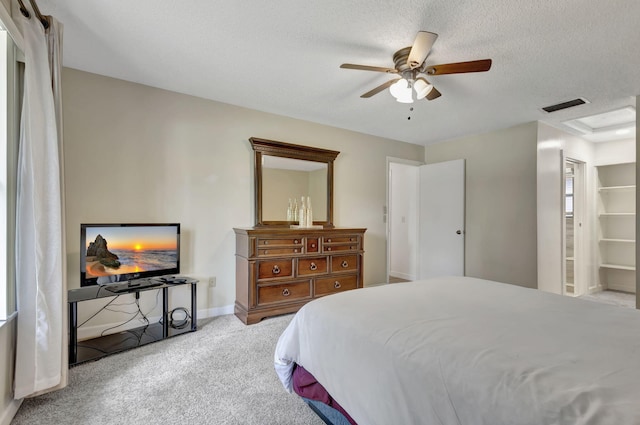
point(594, 289)
point(88, 332)
point(216, 311)
point(401, 275)
point(622, 287)
point(371, 285)
point(9, 412)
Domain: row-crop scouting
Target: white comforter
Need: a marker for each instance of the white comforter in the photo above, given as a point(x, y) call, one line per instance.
point(460, 350)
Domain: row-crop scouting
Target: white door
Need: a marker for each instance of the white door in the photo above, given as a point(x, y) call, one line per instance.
point(441, 219)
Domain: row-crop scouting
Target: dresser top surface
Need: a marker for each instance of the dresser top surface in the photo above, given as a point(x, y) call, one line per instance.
point(287, 231)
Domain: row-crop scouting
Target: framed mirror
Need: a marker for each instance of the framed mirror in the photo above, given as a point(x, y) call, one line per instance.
point(285, 173)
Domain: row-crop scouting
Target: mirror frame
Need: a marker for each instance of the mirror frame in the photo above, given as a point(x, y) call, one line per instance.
point(288, 150)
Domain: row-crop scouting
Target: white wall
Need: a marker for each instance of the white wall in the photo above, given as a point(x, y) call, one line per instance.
point(617, 152)
point(403, 220)
point(134, 153)
point(500, 210)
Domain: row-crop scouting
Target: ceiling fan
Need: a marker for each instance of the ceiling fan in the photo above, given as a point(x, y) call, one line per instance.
point(411, 68)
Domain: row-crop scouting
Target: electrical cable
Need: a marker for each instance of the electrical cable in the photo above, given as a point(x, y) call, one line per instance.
point(96, 313)
point(135, 314)
point(182, 323)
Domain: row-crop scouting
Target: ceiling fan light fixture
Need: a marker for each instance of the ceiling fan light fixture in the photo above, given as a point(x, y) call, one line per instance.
point(422, 88)
point(401, 90)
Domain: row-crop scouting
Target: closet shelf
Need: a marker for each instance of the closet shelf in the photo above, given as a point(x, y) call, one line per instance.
point(621, 188)
point(618, 214)
point(617, 266)
point(619, 240)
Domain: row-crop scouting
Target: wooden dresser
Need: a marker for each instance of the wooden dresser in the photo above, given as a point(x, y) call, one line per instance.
point(278, 270)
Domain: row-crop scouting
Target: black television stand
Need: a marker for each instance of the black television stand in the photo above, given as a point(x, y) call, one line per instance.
point(96, 348)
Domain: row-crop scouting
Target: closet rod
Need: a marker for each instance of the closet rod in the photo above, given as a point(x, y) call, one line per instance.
point(36, 10)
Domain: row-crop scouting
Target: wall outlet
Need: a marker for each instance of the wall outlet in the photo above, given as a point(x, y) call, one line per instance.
point(212, 282)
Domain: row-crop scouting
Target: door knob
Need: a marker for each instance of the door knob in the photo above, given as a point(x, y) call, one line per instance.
point(458, 232)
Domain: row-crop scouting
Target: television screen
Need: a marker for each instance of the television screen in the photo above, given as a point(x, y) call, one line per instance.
point(121, 252)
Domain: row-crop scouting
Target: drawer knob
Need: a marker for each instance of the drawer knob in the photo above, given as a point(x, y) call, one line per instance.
point(336, 284)
point(276, 269)
point(266, 242)
point(295, 250)
point(266, 251)
point(329, 240)
point(313, 266)
point(344, 264)
point(329, 249)
point(313, 245)
point(286, 292)
point(295, 241)
point(350, 239)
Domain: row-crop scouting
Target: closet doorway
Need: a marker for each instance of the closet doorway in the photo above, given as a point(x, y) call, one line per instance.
point(401, 216)
point(574, 283)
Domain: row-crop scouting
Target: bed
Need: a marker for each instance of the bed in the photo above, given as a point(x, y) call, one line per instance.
point(460, 350)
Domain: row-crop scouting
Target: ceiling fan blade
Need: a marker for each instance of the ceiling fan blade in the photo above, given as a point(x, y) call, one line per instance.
point(459, 67)
point(368, 68)
point(433, 94)
point(379, 88)
point(421, 48)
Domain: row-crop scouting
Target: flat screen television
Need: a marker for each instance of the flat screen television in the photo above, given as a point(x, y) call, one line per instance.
point(112, 253)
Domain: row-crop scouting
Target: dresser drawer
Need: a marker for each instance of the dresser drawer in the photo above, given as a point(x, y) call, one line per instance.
point(275, 250)
point(311, 266)
point(334, 284)
point(312, 245)
point(340, 247)
point(344, 263)
point(354, 239)
point(283, 292)
point(268, 242)
point(271, 269)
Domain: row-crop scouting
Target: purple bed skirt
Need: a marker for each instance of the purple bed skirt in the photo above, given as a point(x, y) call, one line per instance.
point(306, 386)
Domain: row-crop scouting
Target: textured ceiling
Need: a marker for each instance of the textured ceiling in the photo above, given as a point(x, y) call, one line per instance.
point(283, 56)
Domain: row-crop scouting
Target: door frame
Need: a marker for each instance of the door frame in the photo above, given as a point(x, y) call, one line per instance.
point(580, 286)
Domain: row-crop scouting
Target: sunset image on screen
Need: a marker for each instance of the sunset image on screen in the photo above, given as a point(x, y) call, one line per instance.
point(130, 249)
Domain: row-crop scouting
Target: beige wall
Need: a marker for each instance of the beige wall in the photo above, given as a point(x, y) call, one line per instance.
point(8, 406)
point(318, 194)
point(139, 154)
point(289, 185)
point(500, 210)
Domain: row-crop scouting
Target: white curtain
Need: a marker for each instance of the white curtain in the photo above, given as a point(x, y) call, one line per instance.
point(40, 251)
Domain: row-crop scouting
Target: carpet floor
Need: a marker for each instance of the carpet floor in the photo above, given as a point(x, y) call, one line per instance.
point(221, 374)
point(622, 299)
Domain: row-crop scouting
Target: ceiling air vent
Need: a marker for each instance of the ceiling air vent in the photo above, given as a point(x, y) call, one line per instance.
point(565, 105)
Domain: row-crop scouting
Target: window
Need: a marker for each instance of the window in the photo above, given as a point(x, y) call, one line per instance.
point(9, 130)
point(568, 205)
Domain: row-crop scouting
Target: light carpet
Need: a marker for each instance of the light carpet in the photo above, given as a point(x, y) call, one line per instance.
point(221, 374)
point(621, 299)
